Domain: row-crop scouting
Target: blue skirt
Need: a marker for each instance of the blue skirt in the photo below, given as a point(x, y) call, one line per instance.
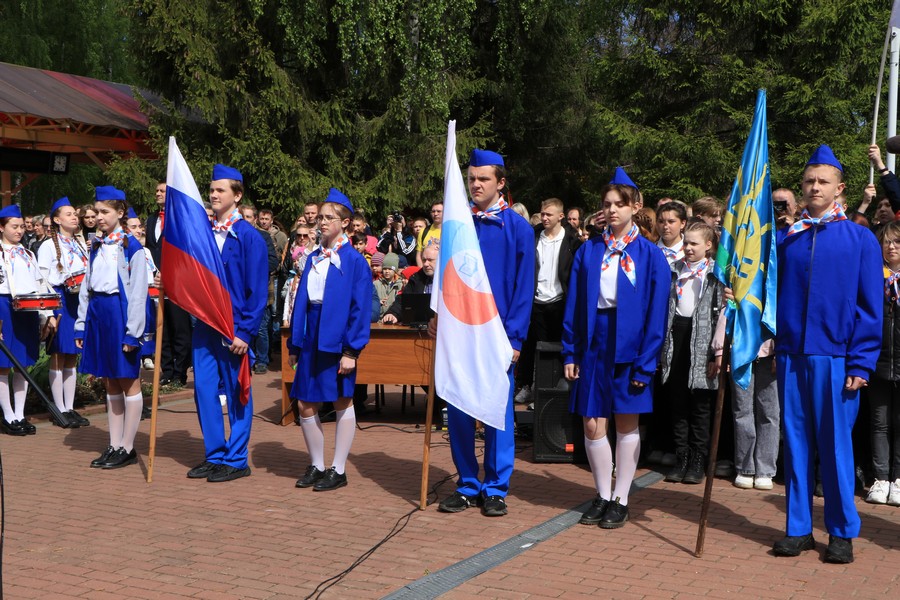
point(104, 330)
point(148, 342)
point(21, 334)
point(64, 340)
point(317, 378)
point(606, 389)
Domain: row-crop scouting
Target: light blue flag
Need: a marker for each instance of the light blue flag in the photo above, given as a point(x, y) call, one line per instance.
point(746, 260)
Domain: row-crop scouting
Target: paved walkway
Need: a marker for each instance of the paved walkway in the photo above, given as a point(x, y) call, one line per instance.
point(76, 532)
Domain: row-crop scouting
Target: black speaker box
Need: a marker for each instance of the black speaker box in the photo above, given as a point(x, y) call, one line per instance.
point(558, 434)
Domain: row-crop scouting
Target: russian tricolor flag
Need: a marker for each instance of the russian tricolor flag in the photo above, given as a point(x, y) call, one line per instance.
point(194, 276)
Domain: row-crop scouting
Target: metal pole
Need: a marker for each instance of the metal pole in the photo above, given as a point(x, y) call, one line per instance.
point(892, 92)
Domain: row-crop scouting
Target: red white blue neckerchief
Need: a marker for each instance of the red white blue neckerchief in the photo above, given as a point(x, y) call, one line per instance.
point(491, 214)
point(617, 247)
point(835, 213)
point(233, 218)
point(331, 253)
point(109, 239)
point(73, 250)
point(672, 254)
point(26, 256)
point(688, 273)
point(891, 291)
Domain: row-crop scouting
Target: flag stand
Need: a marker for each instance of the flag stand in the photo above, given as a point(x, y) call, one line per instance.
point(429, 418)
point(156, 372)
point(713, 448)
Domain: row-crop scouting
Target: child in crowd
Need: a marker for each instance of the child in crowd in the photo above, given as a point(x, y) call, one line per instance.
point(111, 319)
point(671, 218)
point(689, 365)
point(62, 264)
point(613, 330)
point(386, 287)
point(709, 210)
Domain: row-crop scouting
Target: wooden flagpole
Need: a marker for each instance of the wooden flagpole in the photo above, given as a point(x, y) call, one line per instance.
point(887, 42)
point(429, 418)
point(156, 372)
point(713, 447)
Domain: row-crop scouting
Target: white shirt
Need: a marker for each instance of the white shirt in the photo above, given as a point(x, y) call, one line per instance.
point(690, 293)
point(609, 286)
point(20, 276)
point(105, 270)
point(71, 262)
point(549, 288)
point(315, 283)
point(677, 249)
point(221, 236)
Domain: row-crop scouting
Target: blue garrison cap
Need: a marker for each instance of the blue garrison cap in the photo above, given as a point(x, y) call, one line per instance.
point(223, 172)
point(12, 210)
point(64, 201)
point(131, 213)
point(621, 178)
point(108, 192)
point(825, 156)
point(485, 158)
point(335, 195)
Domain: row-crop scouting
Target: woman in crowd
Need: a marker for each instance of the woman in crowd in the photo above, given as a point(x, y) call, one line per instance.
point(613, 330)
point(88, 217)
point(671, 218)
point(330, 327)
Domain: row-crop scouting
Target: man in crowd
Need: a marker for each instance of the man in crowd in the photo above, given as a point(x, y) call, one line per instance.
point(431, 233)
point(829, 337)
point(419, 283)
point(28, 238)
point(555, 249)
point(785, 205)
point(261, 347)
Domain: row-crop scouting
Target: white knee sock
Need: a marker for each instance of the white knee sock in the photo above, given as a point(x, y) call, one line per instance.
point(628, 448)
point(115, 415)
point(315, 440)
point(8, 415)
point(20, 390)
point(69, 381)
point(134, 405)
point(56, 388)
point(600, 457)
point(344, 430)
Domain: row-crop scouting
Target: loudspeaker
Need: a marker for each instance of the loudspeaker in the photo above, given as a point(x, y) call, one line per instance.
point(558, 434)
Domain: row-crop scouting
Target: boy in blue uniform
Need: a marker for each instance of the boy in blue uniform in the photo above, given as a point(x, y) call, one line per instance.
point(829, 337)
point(217, 361)
point(507, 245)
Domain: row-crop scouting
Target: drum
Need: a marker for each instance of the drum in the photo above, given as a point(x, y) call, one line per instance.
point(73, 282)
point(32, 302)
point(153, 292)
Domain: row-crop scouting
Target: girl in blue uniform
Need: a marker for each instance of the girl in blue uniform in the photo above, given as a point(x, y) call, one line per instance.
point(613, 330)
point(62, 259)
point(111, 316)
point(330, 327)
point(19, 276)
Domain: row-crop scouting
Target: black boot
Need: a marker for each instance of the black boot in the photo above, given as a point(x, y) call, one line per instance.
point(682, 458)
point(696, 472)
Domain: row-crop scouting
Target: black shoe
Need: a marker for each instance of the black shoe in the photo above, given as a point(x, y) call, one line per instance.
point(457, 502)
point(616, 516)
point(819, 491)
point(331, 480)
point(165, 381)
point(146, 413)
point(311, 477)
point(226, 473)
point(260, 369)
point(68, 422)
point(793, 545)
point(203, 470)
point(676, 474)
point(14, 428)
point(840, 550)
point(696, 472)
point(494, 506)
point(119, 459)
point(95, 464)
point(27, 427)
point(76, 420)
point(595, 513)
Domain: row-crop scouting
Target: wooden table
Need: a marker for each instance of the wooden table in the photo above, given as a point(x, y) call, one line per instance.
point(395, 355)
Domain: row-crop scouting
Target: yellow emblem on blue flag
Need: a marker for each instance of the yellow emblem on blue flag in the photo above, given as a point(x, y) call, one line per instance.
point(746, 260)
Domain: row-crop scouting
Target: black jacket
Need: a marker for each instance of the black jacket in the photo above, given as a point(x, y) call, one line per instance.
point(416, 285)
point(888, 364)
point(569, 245)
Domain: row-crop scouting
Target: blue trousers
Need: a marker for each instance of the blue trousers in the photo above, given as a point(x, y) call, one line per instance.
point(262, 338)
point(499, 451)
point(216, 372)
point(818, 415)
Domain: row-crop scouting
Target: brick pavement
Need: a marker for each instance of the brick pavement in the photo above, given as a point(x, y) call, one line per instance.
point(76, 532)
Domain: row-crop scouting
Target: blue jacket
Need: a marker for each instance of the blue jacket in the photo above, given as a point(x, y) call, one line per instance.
point(346, 305)
point(508, 252)
point(641, 314)
point(830, 294)
point(245, 257)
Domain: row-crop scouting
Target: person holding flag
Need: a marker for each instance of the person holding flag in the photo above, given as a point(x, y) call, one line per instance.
point(613, 331)
point(329, 328)
point(829, 337)
point(485, 287)
point(219, 363)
